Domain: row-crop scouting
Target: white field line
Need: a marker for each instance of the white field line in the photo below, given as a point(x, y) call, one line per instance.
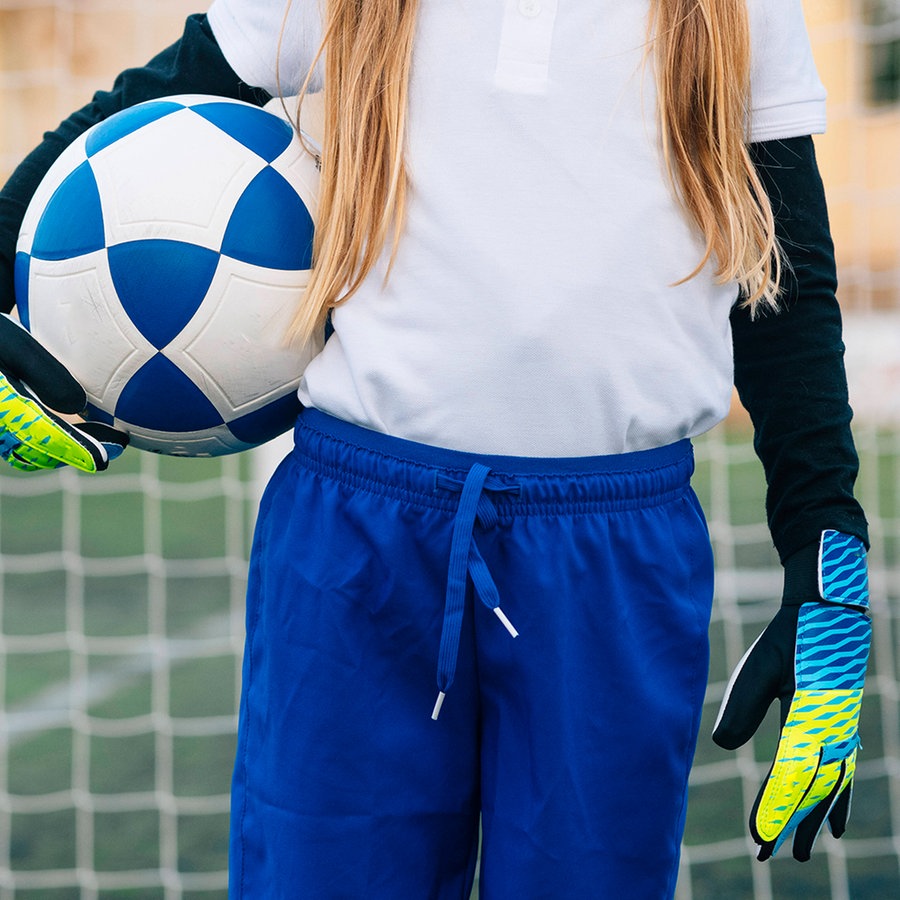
point(55, 705)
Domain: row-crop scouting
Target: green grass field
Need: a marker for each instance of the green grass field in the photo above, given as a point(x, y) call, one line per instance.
point(118, 615)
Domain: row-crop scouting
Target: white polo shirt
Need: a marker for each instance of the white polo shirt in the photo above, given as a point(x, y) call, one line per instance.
point(530, 310)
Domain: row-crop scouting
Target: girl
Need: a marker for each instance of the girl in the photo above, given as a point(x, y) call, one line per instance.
point(552, 235)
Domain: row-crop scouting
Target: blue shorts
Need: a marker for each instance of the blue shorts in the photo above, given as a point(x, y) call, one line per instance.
point(387, 574)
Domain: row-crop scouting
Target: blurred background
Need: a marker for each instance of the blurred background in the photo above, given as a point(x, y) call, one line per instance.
point(121, 597)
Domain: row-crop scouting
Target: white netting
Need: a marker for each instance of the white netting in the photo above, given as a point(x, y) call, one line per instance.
point(121, 597)
point(121, 600)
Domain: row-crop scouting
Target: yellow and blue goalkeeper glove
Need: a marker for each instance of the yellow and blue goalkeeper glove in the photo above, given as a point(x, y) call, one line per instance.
point(813, 658)
point(34, 387)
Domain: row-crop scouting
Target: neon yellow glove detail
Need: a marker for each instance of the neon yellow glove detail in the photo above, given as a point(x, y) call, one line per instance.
point(32, 435)
point(33, 438)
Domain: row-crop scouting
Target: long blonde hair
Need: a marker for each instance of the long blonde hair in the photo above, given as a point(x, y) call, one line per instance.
point(703, 116)
point(701, 53)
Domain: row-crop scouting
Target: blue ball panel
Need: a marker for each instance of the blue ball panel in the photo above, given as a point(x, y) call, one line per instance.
point(127, 121)
point(161, 284)
point(270, 225)
point(159, 396)
point(95, 414)
point(21, 269)
point(72, 222)
point(266, 423)
point(260, 131)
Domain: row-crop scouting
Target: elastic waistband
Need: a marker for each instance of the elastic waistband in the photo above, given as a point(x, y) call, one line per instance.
point(394, 466)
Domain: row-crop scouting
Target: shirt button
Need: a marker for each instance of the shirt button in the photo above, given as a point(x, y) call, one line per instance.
point(530, 8)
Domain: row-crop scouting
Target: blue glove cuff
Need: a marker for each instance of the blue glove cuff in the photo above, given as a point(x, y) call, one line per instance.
point(843, 570)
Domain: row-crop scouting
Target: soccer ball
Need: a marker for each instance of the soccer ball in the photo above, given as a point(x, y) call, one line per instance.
point(161, 260)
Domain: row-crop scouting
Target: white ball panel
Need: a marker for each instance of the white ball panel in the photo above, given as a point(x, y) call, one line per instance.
point(261, 367)
point(206, 172)
point(75, 314)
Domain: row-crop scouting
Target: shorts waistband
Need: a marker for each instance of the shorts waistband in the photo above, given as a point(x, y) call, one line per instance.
point(520, 485)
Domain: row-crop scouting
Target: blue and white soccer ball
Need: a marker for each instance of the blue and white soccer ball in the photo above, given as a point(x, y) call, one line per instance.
point(161, 260)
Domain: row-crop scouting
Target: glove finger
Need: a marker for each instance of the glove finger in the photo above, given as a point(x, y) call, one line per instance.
point(748, 695)
point(31, 459)
point(33, 435)
point(764, 673)
point(22, 357)
point(95, 448)
point(766, 848)
point(778, 828)
point(11, 445)
point(811, 825)
point(85, 455)
point(25, 466)
point(113, 440)
point(840, 812)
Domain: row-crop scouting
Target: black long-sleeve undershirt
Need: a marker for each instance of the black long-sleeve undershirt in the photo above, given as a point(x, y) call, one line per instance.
point(789, 371)
point(788, 366)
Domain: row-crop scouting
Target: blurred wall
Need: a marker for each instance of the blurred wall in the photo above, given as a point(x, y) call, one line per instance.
point(859, 157)
point(54, 55)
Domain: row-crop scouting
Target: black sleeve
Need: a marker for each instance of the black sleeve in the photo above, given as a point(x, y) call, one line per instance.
point(192, 65)
point(789, 371)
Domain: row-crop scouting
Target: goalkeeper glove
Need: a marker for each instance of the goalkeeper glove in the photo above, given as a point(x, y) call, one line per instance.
point(813, 657)
point(33, 384)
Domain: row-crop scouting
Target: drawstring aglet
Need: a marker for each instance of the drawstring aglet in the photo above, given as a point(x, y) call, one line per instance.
point(437, 705)
point(506, 623)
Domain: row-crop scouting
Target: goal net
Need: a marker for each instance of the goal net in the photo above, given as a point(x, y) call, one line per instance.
point(121, 596)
